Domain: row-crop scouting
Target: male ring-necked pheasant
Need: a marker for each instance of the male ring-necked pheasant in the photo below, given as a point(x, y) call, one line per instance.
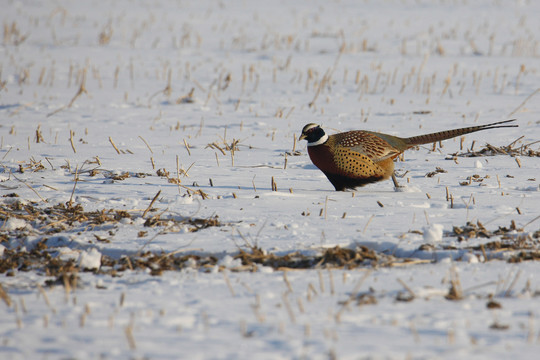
point(356, 158)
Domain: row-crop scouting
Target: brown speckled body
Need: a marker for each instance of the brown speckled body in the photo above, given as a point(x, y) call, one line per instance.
point(353, 159)
point(356, 158)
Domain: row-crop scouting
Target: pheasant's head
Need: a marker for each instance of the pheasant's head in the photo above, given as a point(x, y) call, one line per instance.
point(314, 135)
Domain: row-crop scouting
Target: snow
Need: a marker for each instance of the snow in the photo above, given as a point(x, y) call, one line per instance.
point(397, 67)
point(90, 260)
point(14, 224)
point(433, 233)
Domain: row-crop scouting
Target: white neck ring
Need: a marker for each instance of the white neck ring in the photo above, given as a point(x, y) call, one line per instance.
point(321, 141)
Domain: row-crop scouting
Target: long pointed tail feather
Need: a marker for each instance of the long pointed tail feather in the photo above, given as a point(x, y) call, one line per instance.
point(448, 134)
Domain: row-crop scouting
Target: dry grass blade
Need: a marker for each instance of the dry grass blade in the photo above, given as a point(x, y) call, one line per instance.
point(31, 188)
point(187, 147)
point(186, 99)
point(412, 295)
point(216, 146)
point(71, 133)
point(353, 295)
point(229, 285)
point(148, 146)
point(322, 84)
point(129, 336)
point(82, 90)
point(5, 296)
point(151, 203)
point(288, 308)
point(114, 146)
point(455, 292)
point(70, 202)
point(524, 102)
point(508, 291)
point(45, 297)
point(287, 282)
point(273, 184)
point(166, 91)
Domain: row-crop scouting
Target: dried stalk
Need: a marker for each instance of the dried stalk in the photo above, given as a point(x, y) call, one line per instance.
point(82, 90)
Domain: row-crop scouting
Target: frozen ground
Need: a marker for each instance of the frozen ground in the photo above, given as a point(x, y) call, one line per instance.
point(105, 106)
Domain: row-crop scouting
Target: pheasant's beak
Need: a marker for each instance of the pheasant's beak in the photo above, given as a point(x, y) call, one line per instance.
point(302, 137)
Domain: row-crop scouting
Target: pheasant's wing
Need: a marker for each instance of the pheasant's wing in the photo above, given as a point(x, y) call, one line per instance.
point(353, 164)
point(376, 147)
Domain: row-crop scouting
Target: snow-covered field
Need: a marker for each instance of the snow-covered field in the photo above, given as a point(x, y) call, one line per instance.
point(155, 202)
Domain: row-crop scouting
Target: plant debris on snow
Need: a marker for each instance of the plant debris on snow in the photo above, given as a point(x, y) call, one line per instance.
point(47, 221)
point(512, 149)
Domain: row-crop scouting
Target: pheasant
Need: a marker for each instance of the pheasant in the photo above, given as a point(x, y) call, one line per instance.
point(360, 157)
